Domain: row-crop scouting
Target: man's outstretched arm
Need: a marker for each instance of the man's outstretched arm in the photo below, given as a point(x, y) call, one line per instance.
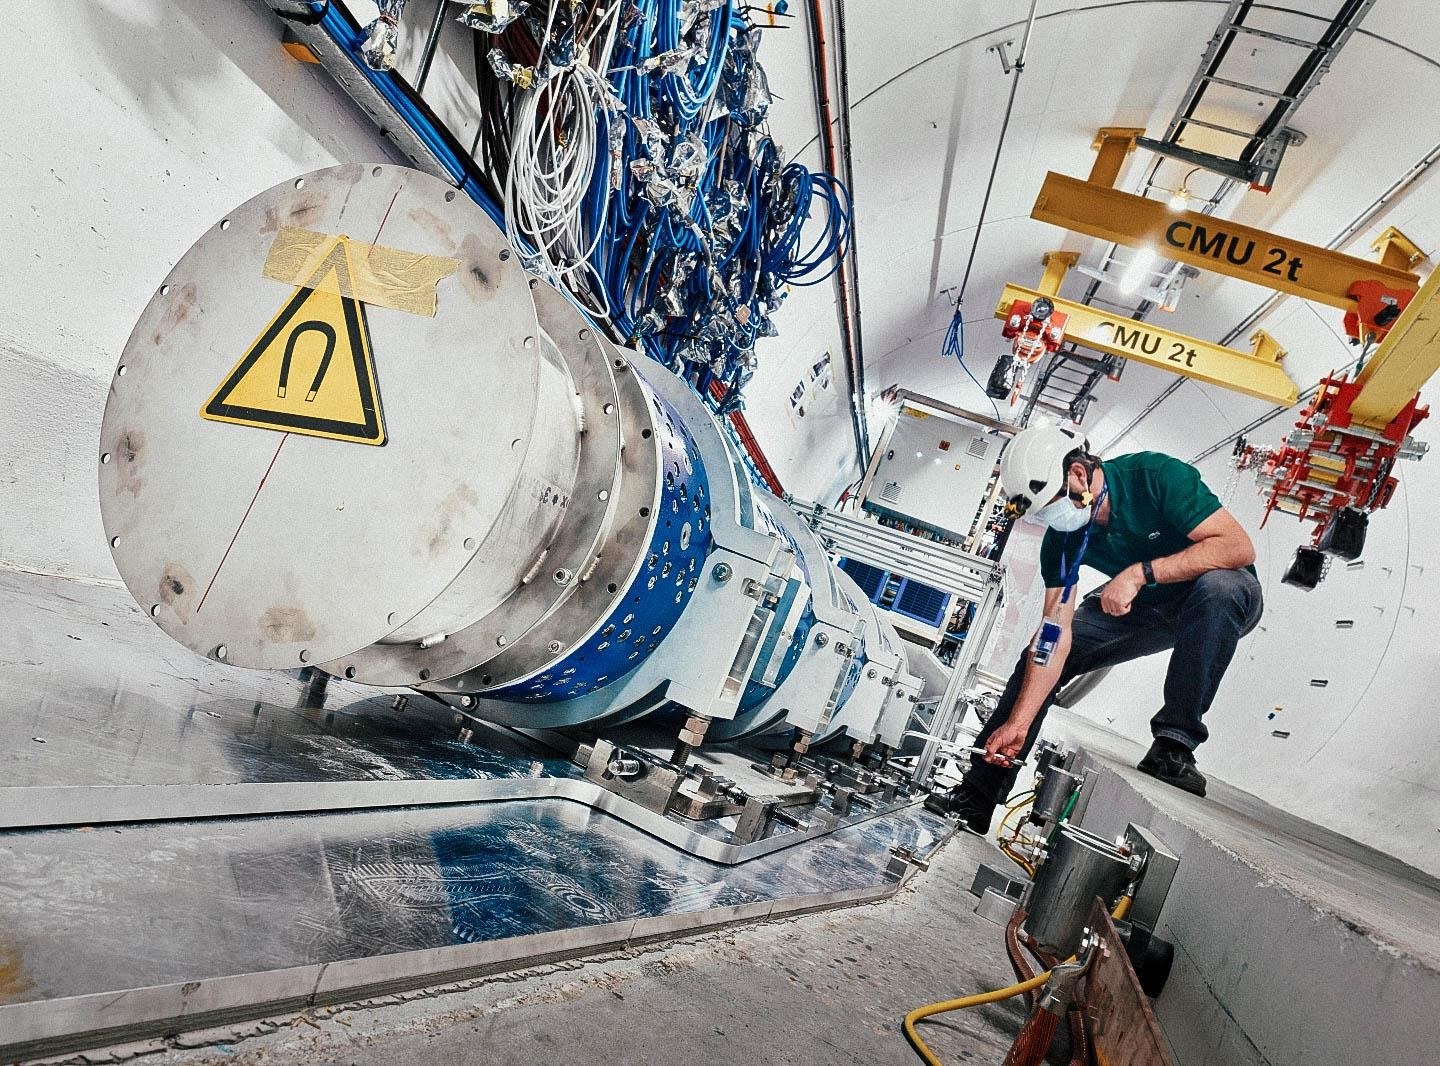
point(1037, 685)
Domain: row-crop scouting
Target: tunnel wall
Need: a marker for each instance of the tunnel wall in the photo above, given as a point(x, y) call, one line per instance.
point(131, 126)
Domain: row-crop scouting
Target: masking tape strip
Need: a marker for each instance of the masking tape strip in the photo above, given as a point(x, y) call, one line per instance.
point(385, 277)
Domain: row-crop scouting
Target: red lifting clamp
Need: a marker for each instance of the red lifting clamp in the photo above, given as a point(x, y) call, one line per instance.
point(1034, 328)
point(1376, 308)
point(1333, 473)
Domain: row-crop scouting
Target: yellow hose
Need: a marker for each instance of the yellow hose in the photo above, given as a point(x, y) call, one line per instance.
point(1019, 860)
point(1025, 799)
point(1009, 992)
point(920, 1013)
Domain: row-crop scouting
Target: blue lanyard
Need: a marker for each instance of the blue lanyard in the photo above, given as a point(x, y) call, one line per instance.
point(1070, 573)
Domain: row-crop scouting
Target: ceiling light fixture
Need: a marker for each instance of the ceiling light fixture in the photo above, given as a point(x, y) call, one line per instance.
point(1173, 285)
point(1171, 298)
point(1180, 198)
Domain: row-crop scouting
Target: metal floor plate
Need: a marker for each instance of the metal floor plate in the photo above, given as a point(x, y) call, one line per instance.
point(112, 929)
point(109, 909)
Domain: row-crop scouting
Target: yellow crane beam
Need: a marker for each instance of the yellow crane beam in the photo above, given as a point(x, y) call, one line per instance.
point(1259, 375)
point(1112, 145)
point(1218, 245)
point(1397, 250)
point(1404, 361)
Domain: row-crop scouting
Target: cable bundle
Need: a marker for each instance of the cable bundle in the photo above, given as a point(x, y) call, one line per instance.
point(723, 238)
point(953, 347)
point(801, 269)
point(630, 143)
point(553, 160)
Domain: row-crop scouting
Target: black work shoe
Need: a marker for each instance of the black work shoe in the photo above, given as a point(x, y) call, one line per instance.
point(938, 802)
point(963, 802)
point(1170, 762)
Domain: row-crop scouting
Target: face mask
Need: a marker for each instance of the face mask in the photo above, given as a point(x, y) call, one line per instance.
point(1063, 515)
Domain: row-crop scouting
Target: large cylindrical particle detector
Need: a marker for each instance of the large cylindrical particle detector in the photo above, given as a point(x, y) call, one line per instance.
point(350, 432)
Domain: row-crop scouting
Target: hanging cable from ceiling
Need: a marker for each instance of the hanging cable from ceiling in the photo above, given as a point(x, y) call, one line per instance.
point(1016, 70)
point(953, 344)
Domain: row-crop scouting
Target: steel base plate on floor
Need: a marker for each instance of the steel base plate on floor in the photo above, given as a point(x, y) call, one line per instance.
point(184, 842)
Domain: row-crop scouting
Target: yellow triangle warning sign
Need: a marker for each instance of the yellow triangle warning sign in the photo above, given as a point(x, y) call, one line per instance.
point(311, 370)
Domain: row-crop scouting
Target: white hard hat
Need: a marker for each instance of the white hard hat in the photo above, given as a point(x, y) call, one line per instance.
point(1032, 470)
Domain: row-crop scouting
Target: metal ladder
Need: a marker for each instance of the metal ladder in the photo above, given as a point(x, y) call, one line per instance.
point(1066, 386)
point(1263, 145)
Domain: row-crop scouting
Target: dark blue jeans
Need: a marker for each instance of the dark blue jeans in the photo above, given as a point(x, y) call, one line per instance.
point(1202, 627)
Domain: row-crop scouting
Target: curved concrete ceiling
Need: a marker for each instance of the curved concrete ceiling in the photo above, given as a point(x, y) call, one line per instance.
point(927, 103)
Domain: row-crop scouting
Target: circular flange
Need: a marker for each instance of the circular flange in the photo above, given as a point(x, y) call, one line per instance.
point(273, 549)
point(586, 518)
point(617, 560)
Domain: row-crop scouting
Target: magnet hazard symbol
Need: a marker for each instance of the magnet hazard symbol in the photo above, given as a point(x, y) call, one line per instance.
point(311, 370)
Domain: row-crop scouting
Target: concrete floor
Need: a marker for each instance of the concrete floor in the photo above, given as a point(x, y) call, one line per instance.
point(823, 988)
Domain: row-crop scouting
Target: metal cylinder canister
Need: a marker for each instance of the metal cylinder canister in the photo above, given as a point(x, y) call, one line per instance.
point(1048, 754)
point(1055, 790)
point(416, 465)
point(1079, 867)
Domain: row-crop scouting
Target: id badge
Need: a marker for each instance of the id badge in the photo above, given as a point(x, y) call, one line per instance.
point(1045, 643)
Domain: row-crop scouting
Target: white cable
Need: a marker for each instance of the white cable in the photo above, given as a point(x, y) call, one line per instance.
point(557, 129)
point(552, 164)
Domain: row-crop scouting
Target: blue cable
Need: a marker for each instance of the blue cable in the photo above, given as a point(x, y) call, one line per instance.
point(954, 345)
point(775, 232)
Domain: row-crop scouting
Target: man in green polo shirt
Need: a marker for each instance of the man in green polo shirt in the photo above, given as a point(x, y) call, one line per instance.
point(1181, 579)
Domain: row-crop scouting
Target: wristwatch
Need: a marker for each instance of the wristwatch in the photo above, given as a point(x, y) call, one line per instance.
point(1149, 572)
